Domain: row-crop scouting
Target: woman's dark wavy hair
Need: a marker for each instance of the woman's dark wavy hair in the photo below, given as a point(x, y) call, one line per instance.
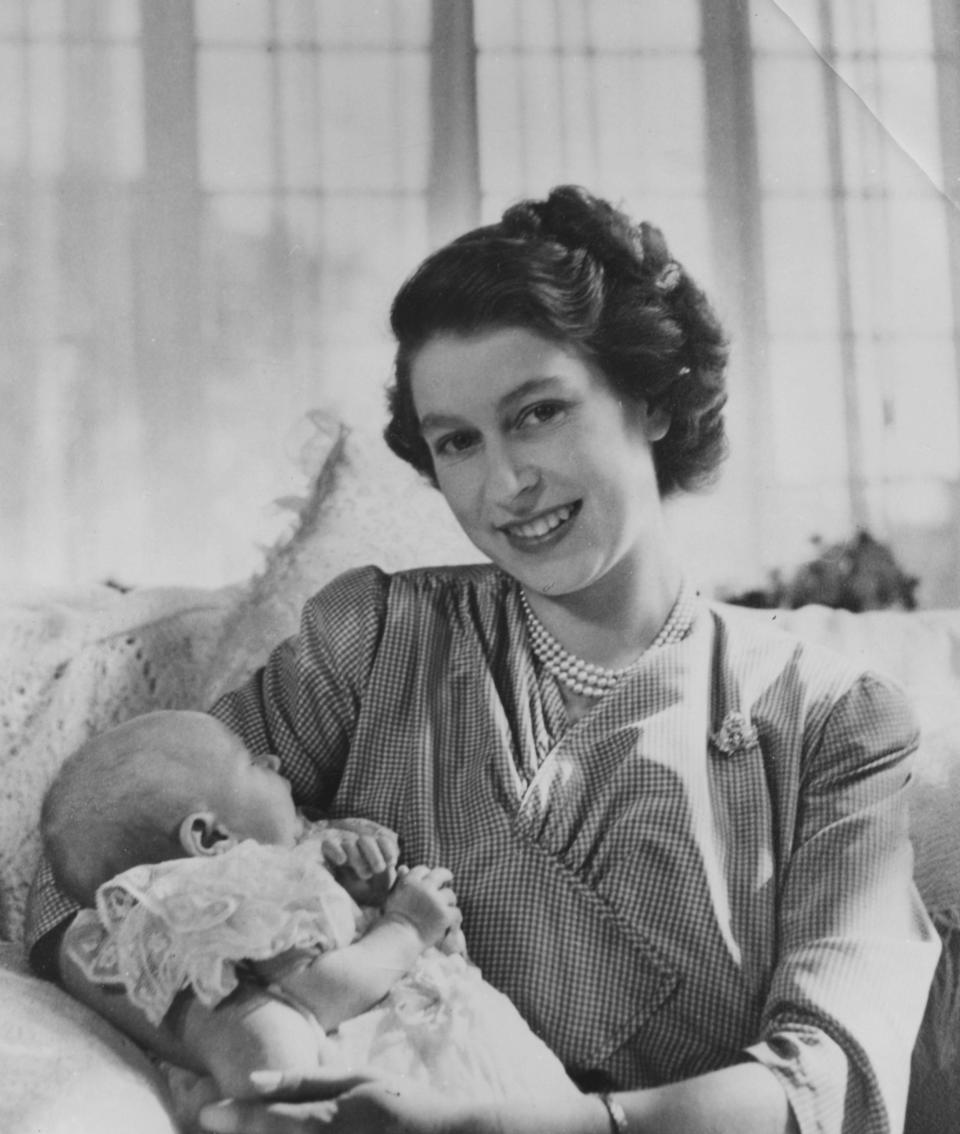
point(579, 272)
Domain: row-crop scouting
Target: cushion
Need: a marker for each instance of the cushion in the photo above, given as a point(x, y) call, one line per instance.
point(66, 1071)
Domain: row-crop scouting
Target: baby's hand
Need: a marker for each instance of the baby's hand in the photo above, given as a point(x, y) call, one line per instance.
point(423, 897)
point(454, 942)
point(363, 857)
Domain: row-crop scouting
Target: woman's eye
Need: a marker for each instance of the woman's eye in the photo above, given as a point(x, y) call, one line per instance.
point(454, 443)
point(541, 414)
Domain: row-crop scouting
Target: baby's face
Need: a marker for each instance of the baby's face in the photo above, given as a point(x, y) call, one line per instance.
point(246, 792)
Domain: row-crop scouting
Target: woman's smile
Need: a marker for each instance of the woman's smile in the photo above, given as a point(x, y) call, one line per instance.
point(546, 528)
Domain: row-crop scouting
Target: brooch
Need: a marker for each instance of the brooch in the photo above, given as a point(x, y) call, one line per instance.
point(736, 735)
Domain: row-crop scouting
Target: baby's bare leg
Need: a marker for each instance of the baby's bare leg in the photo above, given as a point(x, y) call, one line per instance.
point(250, 1031)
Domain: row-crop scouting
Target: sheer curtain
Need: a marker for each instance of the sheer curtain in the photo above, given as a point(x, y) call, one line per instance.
point(797, 155)
point(208, 204)
point(861, 291)
point(207, 207)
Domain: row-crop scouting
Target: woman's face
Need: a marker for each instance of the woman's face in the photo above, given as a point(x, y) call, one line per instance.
point(545, 470)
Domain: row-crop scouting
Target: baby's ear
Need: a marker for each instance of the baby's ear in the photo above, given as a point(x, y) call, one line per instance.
point(202, 834)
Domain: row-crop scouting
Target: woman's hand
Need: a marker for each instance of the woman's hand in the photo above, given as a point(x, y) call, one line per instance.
point(335, 1103)
point(325, 1102)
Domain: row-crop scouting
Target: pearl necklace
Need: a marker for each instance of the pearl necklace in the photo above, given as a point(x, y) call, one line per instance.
point(596, 680)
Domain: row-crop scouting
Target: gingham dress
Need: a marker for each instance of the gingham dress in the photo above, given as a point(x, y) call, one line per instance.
point(711, 865)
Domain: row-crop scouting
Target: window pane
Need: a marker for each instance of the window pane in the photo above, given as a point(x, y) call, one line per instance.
point(799, 265)
point(12, 16)
point(235, 126)
point(120, 19)
point(232, 21)
point(127, 105)
point(782, 23)
point(920, 276)
point(497, 25)
point(574, 23)
point(410, 139)
point(297, 22)
point(891, 25)
point(300, 107)
point(46, 18)
point(537, 23)
point(362, 265)
point(46, 75)
point(373, 23)
point(646, 25)
point(662, 98)
point(806, 396)
point(501, 137)
point(899, 267)
point(368, 100)
point(243, 214)
point(890, 120)
point(790, 119)
point(618, 106)
point(13, 105)
point(909, 109)
point(773, 29)
point(924, 434)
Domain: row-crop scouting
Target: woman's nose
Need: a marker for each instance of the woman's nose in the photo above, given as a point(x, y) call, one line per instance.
point(508, 477)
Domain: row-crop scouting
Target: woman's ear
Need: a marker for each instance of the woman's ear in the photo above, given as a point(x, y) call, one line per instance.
point(656, 421)
point(202, 834)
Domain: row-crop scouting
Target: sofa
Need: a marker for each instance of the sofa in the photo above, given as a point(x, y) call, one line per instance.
point(75, 661)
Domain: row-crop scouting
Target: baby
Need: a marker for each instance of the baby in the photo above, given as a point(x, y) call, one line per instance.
point(202, 871)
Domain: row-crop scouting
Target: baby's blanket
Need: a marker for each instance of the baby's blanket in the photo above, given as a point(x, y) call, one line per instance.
point(74, 664)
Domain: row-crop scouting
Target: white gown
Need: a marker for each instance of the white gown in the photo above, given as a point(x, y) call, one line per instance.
point(198, 923)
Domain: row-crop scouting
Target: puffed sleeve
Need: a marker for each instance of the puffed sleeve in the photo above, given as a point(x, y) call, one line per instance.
point(857, 950)
point(303, 705)
point(49, 912)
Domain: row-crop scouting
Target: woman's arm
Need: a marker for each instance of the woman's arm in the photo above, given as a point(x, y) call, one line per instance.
point(856, 950)
point(745, 1099)
point(302, 706)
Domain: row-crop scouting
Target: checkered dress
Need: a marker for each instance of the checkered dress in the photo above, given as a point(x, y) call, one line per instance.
point(711, 865)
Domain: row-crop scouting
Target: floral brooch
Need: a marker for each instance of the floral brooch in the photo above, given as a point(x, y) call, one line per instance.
point(736, 735)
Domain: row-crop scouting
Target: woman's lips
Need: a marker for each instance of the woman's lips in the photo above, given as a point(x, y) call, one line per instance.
point(542, 528)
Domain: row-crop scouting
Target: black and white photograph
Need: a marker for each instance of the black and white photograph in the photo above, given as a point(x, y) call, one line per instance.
point(480, 566)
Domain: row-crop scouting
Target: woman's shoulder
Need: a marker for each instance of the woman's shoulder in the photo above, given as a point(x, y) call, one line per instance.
point(360, 586)
point(761, 638)
point(351, 620)
point(764, 641)
point(474, 579)
point(802, 674)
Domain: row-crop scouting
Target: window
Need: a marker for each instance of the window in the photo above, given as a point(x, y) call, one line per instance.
point(212, 202)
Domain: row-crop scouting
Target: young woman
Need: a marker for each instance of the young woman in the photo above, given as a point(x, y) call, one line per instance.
point(678, 841)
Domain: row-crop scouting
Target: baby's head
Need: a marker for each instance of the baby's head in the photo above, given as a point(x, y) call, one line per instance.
point(165, 785)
